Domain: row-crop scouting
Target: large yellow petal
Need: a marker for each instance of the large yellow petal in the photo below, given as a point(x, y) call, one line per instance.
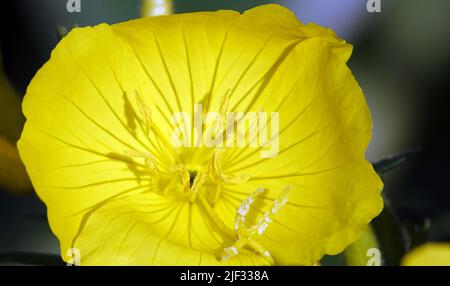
point(79, 110)
point(146, 229)
point(200, 57)
point(325, 127)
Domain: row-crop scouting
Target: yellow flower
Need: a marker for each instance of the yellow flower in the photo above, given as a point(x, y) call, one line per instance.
point(97, 142)
point(429, 254)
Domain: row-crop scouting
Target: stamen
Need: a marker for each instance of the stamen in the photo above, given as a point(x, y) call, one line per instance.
point(170, 186)
point(215, 169)
point(267, 218)
point(185, 178)
point(145, 112)
point(151, 165)
point(260, 250)
point(217, 194)
point(146, 120)
point(223, 107)
point(198, 182)
point(149, 161)
point(243, 210)
point(246, 235)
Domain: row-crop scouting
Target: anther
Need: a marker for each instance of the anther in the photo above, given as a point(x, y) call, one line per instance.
point(215, 169)
point(149, 161)
point(184, 174)
point(145, 112)
point(223, 107)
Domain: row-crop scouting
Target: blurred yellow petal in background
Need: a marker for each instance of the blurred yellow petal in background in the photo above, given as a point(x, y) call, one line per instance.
point(156, 7)
point(430, 254)
point(13, 176)
point(10, 109)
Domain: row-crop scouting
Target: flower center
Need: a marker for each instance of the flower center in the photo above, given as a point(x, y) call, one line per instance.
point(192, 176)
point(189, 183)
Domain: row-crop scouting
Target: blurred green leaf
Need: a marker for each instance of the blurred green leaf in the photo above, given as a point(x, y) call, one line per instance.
point(389, 163)
point(61, 31)
point(333, 260)
point(358, 254)
point(390, 237)
point(31, 259)
point(417, 232)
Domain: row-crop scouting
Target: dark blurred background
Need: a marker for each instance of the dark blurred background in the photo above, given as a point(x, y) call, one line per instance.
point(400, 59)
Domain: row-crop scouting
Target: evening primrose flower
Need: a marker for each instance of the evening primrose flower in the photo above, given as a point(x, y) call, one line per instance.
point(97, 142)
point(429, 254)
